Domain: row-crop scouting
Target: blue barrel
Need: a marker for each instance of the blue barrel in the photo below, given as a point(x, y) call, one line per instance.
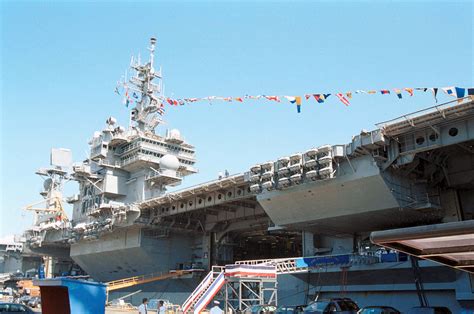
point(70, 296)
point(41, 271)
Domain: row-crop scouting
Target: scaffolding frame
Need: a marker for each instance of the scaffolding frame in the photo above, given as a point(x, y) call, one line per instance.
point(243, 292)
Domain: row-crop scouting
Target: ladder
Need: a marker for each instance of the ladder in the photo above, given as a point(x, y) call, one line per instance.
point(420, 290)
point(205, 291)
point(137, 280)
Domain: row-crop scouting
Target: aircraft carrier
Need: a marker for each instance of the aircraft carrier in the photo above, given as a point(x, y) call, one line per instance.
point(414, 170)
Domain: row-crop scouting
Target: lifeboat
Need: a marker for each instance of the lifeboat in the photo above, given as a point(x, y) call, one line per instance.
point(283, 161)
point(312, 152)
point(267, 175)
point(284, 182)
point(325, 172)
point(268, 185)
point(255, 188)
point(325, 161)
point(324, 150)
point(310, 163)
point(255, 169)
point(255, 178)
point(283, 170)
point(295, 157)
point(313, 174)
point(295, 167)
point(267, 166)
point(296, 178)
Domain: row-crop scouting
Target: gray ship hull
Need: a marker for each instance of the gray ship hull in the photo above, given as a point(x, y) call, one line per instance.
point(388, 284)
point(127, 252)
point(357, 200)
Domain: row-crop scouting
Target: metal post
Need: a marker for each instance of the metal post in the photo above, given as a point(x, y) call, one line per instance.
point(240, 295)
point(226, 308)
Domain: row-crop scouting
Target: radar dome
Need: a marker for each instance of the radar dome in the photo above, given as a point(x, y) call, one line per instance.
point(175, 134)
point(169, 162)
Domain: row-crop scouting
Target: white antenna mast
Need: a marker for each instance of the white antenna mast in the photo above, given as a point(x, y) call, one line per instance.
point(147, 96)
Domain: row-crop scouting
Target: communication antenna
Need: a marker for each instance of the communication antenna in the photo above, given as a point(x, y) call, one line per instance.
point(54, 179)
point(144, 89)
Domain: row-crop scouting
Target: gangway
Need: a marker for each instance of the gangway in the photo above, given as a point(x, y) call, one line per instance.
point(138, 280)
point(205, 291)
point(251, 282)
point(246, 283)
point(283, 265)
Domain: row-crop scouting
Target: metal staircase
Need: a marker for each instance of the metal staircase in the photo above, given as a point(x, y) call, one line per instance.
point(217, 278)
point(205, 291)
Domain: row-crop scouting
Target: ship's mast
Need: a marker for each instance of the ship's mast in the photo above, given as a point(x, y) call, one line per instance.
point(54, 178)
point(146, 94)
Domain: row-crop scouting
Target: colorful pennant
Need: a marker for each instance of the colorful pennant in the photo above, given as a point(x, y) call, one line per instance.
point(453, 91)
point(343, 99)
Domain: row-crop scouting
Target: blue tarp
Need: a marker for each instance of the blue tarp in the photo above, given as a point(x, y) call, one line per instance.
point(323, 260)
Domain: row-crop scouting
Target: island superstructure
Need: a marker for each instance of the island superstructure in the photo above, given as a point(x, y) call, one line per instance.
point(414, 170)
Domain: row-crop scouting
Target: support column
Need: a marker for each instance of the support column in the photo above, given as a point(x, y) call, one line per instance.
point(48, 266)
point(207, 250)
point(307, 239)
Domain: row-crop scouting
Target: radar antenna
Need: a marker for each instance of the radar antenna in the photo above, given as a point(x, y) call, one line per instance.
point(145, 94)
point(54, 178)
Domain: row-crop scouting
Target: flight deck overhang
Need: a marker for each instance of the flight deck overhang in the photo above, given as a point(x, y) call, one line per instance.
point(200, 189)
point(429, 117)
point(451, 244)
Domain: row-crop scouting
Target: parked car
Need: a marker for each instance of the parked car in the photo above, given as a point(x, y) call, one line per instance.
point(378, 310)
point(290, 309)
point(15, 308)
point(429, 310)
point(34, 302)
point(261, 309)
point(333, 306)
point(24, 299)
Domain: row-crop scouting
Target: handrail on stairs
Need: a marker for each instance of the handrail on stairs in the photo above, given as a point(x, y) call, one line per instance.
point(136, 280)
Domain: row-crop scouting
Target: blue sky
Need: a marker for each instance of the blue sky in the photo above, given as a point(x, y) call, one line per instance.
point(60, 62)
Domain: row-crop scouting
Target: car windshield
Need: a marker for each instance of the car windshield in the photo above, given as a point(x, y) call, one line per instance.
point(347, 305)
point(378, 310)
point(12, 308)
point(285, 308)
point(429, 310)
point(317, 306)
